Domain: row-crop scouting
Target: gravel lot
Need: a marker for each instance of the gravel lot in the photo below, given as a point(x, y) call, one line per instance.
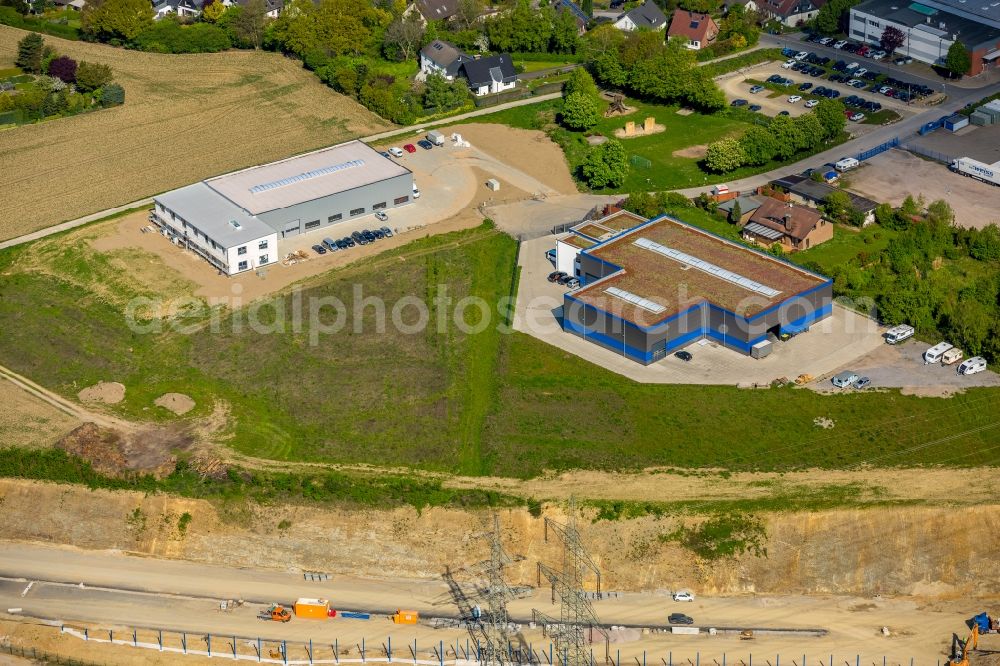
point(979, 143)
point(894, 174)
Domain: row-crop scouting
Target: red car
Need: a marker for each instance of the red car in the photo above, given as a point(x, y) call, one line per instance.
point(410, 148)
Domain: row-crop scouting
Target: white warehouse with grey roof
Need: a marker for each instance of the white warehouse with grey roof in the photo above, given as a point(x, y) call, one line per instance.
point(237, 220)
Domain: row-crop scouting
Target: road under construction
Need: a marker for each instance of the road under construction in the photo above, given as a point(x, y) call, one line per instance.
point(105, 591)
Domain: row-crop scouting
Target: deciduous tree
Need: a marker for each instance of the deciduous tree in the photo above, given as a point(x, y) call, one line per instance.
point(830, 113)
point(724, 155)
point(63, 68)
point(892, 38)
point(606, 165)
point(90, 76)
point(117, 19)
point(759, 145)
point(403, 37)
point(958, 59)
point(580, 81)
point(580, 111)
point(213, 10)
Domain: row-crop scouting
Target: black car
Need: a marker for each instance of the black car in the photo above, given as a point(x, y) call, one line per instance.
point(684, 356)
point(739, 102)
point(368, 235)
point(820, 90)
point(350, 241)
point(359, 239)
point(425, 144)
point(755, 107)
point(555, 276)
point(805, 86)
point(378, 234)
point(319, 249)
point(564, 279)
point(680, 618)
point(341, 244)
point(833, 94)
point(387, 231)
point(784, 113)
point(774, 78)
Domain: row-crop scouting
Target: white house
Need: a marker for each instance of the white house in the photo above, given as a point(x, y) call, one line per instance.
point(442, 58)
point(179, 7)
point(493, 74)
point(647, 15)
point(748, 5)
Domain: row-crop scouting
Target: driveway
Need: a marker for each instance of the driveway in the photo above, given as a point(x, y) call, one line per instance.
point(840, 339)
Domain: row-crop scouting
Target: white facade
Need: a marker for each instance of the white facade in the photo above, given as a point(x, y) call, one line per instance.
point(566, 254)
point(237, 258)
point(924, 42)
point(493, 87)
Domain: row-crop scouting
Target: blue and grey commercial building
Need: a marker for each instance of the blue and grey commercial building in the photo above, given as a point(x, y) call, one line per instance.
point(658, 286)
point(236, 221)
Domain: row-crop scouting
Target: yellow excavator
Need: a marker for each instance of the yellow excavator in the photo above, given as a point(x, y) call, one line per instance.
point(971, 643)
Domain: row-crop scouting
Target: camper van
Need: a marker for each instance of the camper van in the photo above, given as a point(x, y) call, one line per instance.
point(953, 355)
point(971, 366)
point(935, 353)
point(844, 379)
point(897, 334)
point(846, 164)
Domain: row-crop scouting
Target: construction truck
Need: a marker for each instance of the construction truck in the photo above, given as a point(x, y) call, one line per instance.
point(971, 643)
point(275, 613)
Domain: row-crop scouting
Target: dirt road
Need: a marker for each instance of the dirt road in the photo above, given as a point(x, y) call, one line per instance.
point(148, 592)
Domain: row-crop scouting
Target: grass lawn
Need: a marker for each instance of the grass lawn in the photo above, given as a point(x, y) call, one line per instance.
point(441, 398)
point(538, 65)
point(847, 244)
point(881, 117)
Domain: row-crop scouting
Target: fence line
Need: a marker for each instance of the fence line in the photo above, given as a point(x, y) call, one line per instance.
point(927, 152)
point(539, 657)
point(872, 152)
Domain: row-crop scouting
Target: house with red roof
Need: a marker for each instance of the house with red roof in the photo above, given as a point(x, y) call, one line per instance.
point(696, 29)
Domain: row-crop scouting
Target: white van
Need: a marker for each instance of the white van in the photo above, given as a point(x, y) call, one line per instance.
point(953, 355)
point(971, 366)
point(844, 379)
point(846, 164)
point(897, 334)
point(934, 354)
point(416, 192)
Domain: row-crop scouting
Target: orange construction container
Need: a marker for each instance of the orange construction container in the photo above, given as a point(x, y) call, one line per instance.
point(312, 608)
point(405, 617)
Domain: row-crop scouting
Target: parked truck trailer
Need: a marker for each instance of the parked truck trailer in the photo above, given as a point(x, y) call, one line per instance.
point(988, 173)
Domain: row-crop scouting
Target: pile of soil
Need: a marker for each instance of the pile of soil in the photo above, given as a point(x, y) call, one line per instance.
point(178, 403)
point(114, 454)
point(110, 393)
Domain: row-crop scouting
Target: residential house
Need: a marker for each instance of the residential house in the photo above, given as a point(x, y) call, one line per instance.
point(272, 8)
point(794, 227)
point(748, 206)
point(695, 29)
point(70, 4)
point(492, 74)
point(437, 10)
point(442, 58)
point(179, 7)
point(802, 189)
point(792, 13)
point(578, 14)
point(646, 16)
point(748, 5)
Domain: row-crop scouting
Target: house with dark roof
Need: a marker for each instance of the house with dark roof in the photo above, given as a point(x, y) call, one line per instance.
point(805, 190)
point(695, 29)
point(578, 14)
point(440, 57)
point(749, 203)
point(795, 227)
point(646, 16)
point(492, 74)
point(437, 10)
point(792, 13)
point(272, 8)
point(179, 7)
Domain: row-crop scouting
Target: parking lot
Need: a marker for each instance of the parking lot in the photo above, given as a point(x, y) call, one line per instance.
point(895, 174)
point(902, 366)
point(826, 347)
point(979, 143)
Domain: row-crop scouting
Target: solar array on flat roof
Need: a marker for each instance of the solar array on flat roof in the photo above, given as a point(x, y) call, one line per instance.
point(264, 187)
point(639, 301)
point(710, 268)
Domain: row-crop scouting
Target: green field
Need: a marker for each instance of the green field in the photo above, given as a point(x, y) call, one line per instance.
point(654, 166)
point(444, 399)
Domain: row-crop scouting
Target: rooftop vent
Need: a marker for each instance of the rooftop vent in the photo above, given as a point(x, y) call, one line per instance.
point(638, 301)
point(235, 224)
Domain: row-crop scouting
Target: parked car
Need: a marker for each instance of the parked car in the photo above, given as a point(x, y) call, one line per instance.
point(878, 55)
point(387, 231)
point(801, 55)
point(863, 382)
point(573, 283)
point(330, 245)
point(794, 98)
point(860, 71)
point(684, 356)
point(683, 596)
point(395, 152)
point(805, 86)
point(383, 154)
point(350, 241)
point(811, 103)
point(378, 234)
point(784, 113)
point(358, 238)
point(381, 215)
point(840, 44)
point(368, 235)
point(857, 117)
point(739, 102)
point(788, 64)
point(425, 144)
point(755, 107)
point(756, 89)
point(410, 148)
point(555, 276)
point(319, 249)
point(680, 618)
point(825, 40)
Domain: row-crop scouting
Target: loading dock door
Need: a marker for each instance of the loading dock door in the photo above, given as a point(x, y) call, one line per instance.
point(291, 229)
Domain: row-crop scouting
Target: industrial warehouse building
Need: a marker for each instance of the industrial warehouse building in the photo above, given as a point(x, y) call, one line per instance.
point(657, 286)
point(236, 220)
point(931, 27)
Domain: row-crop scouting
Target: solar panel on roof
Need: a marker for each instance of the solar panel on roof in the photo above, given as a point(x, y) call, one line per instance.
point(638, 301)
point(315, 173)
point(708, 267)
